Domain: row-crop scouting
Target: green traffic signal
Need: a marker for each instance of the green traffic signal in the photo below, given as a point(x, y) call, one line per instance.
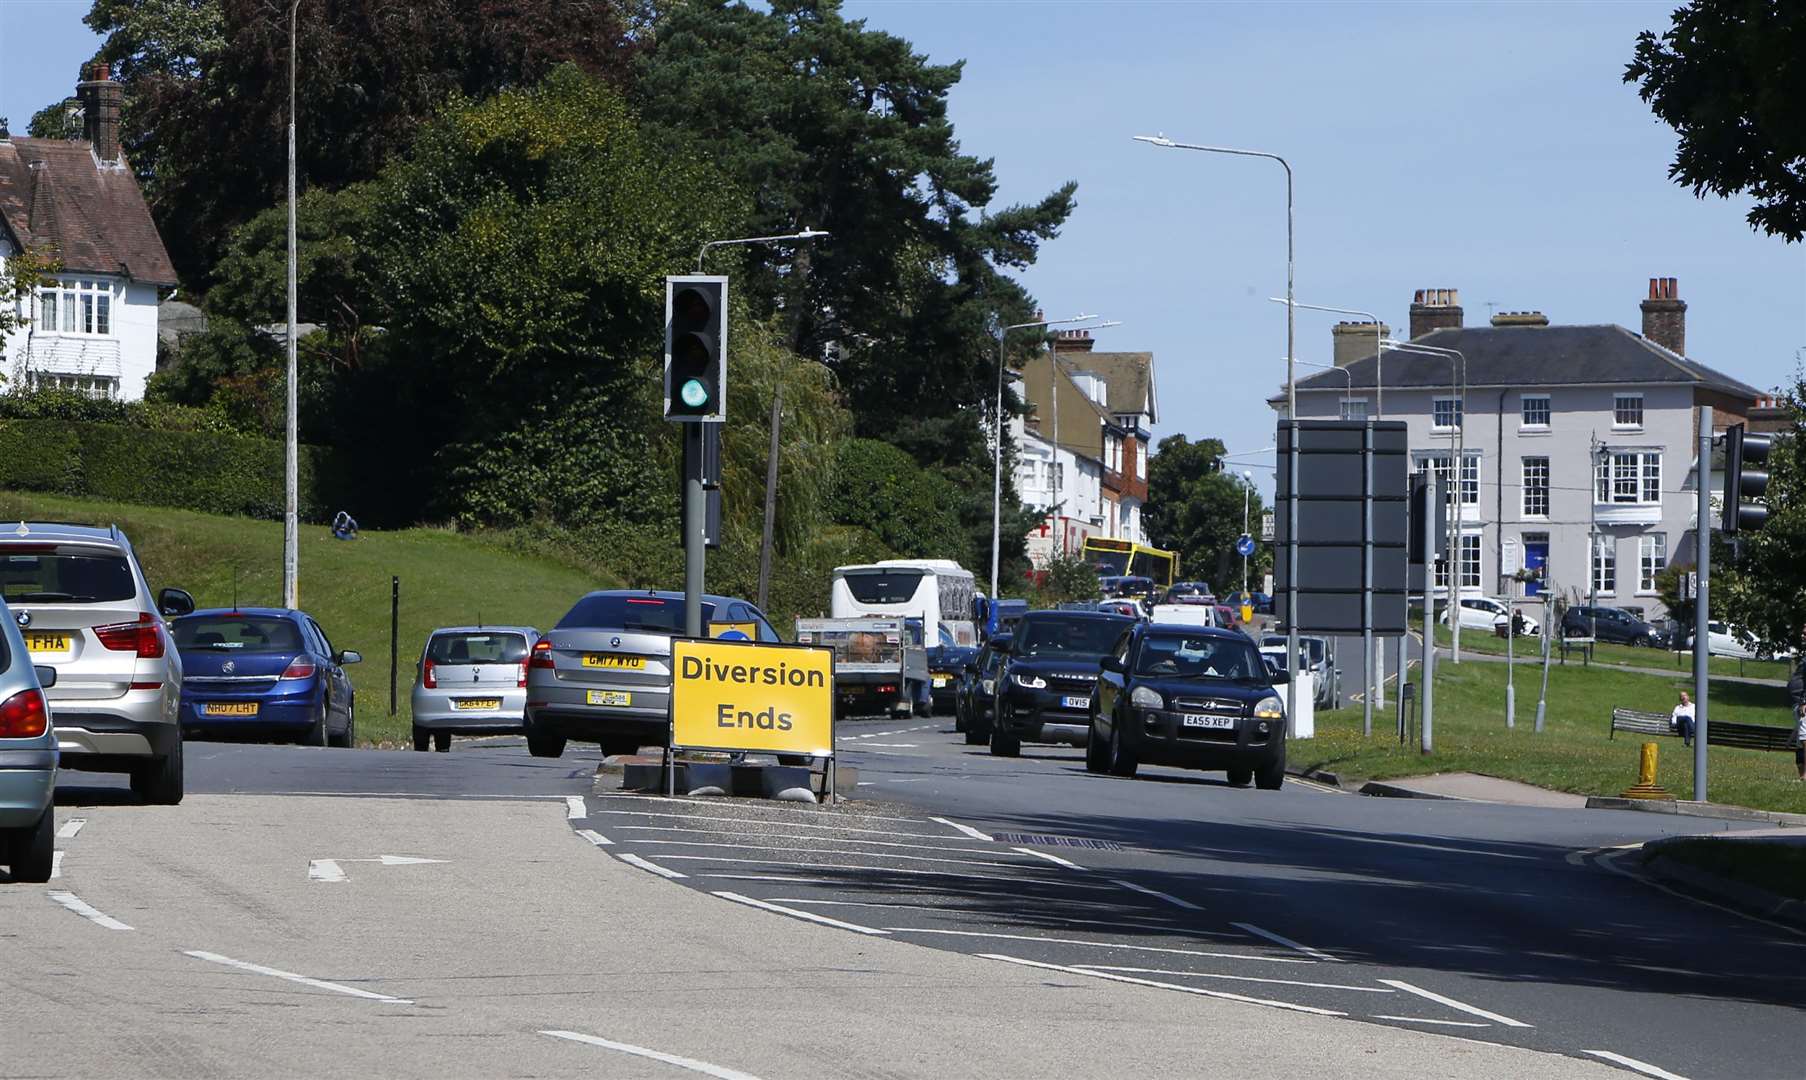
point(694, 394)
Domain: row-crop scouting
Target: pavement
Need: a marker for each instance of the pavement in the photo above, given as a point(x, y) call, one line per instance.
point(1476, 788)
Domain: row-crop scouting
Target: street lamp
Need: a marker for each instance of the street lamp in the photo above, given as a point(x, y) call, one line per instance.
point(997, 436)
point(1379, 346)
point(1457, 467)
point(291, 515)
point(777, 414)
point(1347, 389)
point(1291, 399)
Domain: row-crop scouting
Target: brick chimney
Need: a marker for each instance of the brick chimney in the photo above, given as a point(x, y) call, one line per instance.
point(1665, 316)
point(1435, 309)
point(1520, 318)
point(101, 98)
point(1072, 341)
point(1356, 340)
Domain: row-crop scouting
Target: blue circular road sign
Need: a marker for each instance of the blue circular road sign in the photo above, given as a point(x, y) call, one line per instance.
point(1244, 546)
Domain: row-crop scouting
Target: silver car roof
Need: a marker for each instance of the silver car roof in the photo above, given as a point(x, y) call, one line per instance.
point(486, 629)
point(62, 530)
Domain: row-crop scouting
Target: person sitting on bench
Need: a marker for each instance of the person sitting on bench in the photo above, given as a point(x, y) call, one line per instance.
point(1681, 719)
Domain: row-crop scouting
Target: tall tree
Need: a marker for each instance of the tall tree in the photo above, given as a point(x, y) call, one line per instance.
point(1763, 589)
point(1729, 77)
point(1195, 508)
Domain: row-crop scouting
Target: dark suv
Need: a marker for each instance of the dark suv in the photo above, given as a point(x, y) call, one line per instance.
point(1193, 697)
point(1615, 625)
point(1044, 685)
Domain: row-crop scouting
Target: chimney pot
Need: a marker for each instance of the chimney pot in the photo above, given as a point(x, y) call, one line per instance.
point(1435, 309)
point(1665, 315)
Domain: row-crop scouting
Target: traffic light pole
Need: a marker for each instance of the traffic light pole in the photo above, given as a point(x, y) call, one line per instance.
point(695, 524)
point(1702, 641)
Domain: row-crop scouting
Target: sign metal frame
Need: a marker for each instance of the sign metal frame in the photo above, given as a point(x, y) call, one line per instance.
point(672, 746)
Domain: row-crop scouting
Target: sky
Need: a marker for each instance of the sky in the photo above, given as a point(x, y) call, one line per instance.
point(1486, 147)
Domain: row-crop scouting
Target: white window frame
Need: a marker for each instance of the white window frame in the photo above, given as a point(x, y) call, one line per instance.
point(1652, 559)
point(1453, 407)
point(1535, 468)
point(1470, 479)
point(1467, 554)
point(1628, 477)
point(1355, 408)
point(1524, 411)
point(1624, 404)
point(1603, 565)
point(77, 307)
point(1141, 460)
point(99, 387)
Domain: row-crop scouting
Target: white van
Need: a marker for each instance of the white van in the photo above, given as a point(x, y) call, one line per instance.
point(1185, 615)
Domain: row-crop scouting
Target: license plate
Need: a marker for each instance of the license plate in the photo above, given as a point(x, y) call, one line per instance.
point(609, 697)
point(40, 642)
point(1203, 721)
point(609, 660)
point(940, 681)
point(477, 703)
point(229, 708)
point(1076, 702)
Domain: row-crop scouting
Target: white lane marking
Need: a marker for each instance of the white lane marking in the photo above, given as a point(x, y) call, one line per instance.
point(399, 860)
point(56, 864)
point(815, 839)
point(1000, 879)
point(1055, 859)
point(1201, 992)
point(1277, 939)
point(574, 809)
point(911, 780)
point(1238, 978)
point(758, 824)
point(325, 870)
point(70, 828)
point(966, 829)
point(1097, 944)
point(1643, 1067)
point(886, 745)
point(1427, 1020)
point(1419, 846)
point(808, 916)
point(1157, 894)
point(595, 837)
point(1471, 1010)
point(1578, 858)
point(703, 1067)
point(634, 860)
point(81, 907)
point(1113, 924)
point(277, 973)
point(788, 880)
point(666, 800)
point(816, 851)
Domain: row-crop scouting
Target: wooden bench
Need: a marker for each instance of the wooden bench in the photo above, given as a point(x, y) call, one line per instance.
point(1749, 736)
point(1643, 723)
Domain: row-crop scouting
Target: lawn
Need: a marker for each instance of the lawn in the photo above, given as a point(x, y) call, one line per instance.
point(1481, 641)
point(446, 579)
point(1573, 753)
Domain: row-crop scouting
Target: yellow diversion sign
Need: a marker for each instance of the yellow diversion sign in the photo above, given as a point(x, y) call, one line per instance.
point(733, 695)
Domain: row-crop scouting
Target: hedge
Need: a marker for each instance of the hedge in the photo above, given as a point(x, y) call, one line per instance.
point(213, 472)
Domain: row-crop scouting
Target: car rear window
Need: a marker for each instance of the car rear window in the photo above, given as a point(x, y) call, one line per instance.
point(887, 587)
point(477, 648)
point(62, 575)
point(614, 611)
point(239, 633)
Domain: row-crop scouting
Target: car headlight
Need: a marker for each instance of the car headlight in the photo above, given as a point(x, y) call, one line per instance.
point(989, 686)
point(1270, 709)
point(1147, 698)
point(1032, 682)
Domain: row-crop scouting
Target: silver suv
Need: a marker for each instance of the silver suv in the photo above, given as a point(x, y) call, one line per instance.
point(84, 610)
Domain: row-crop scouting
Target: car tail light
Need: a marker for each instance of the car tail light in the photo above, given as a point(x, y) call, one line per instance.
point(542, 655)
point(427, 678)
point(521, 680)
point(298, 668)
point(144, 637)
point(23, 715)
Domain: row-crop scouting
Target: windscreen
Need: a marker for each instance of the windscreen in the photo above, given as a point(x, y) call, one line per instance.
point(237, 633)
point(1076, 638)
point(1109, 562)
point(617, 611)
point(884, 586)
point(1198, 656)
point(65, 576)
point(1312, 647)
point(477, 648)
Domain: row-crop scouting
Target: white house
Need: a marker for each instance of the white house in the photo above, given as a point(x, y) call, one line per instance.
point(93, 328)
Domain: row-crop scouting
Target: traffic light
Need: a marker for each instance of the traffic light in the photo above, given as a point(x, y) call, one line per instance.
point(1742, 483)
point(696, 349)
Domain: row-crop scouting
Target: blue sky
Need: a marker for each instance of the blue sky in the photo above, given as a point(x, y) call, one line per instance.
point(1485, 147)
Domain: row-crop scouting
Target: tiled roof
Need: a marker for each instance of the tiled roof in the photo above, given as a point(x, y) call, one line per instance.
point(1128, 377)
point(94, 218)
point(1535, 356)
point(1081, 427)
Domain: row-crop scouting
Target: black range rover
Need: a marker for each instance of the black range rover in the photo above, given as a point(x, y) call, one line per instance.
point(1050, 667)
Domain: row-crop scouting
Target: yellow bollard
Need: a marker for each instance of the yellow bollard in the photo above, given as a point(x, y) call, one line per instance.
point(1646, 786)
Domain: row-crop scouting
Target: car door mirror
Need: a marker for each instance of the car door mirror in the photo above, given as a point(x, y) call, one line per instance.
point(349, 656)
point(1001, 644)
point(175, 603)
point(46, 676)
point(1112, 664)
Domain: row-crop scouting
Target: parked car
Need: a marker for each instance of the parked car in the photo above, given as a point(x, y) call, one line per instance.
point(471, 680)
point(977, 693)
point(1613, 625)
point(1486, 613)
point(1125, 607)
point(1133, 586)
point(1187, 615)
point(85, 610)
point(945, 665)
point(1049, 668)
point(1189, 697)
point(28, 759)
point(1327, 676)
point(1728, 639)
point(603, 673)
point(1188, 592)
point(264, 673)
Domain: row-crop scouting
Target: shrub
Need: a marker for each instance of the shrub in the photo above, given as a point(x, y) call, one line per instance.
point(911, 510)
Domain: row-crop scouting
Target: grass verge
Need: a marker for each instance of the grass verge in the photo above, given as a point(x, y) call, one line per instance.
point(1605, 654)
point(1779, 868)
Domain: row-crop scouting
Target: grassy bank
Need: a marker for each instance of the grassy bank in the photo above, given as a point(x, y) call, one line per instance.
point(446, 579)
point(1481, 641)
point(1573, 753)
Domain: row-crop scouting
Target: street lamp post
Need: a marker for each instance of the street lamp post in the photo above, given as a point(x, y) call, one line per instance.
point(777, 415)
point(1291, 401)
point(291, 516)
point(1457, 467)
point(1247, 492)
point(1380, 344)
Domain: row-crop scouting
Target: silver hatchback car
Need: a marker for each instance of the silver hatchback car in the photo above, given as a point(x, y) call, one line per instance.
point(471, 680)
point(84, 609)
point(27, 759)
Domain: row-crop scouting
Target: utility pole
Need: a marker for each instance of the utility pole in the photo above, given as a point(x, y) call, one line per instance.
point(291, 516)
point(1702, 607)
point(1427, 701)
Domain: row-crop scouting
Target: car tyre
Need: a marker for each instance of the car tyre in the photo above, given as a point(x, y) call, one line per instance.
point(1122, 759)
point(1004, 742)
point(1241, 777)
point(540, 744)
point(317, 734)
point(1272, 775)
point(159, 781)
point(349, 739)
point(33, 849)
point(442, 741)
point(1637, 643)
point(423, 739)
point(976, 735)
point(1094, 750)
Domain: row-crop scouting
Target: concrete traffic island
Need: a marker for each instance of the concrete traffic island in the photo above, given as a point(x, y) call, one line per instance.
point(713, 774)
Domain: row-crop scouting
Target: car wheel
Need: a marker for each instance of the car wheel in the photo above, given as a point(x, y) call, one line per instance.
point(33, 849)
point(159, 781)
point(976, 734)
point(1240, 777)
point(1637, 643)
point(1004, 742)
point(442, 741)
point(615, 747)
point(316, 734)
point(422, 739)
point(1094, 749)
point(1122, 759)
point(543, 745)
point(349, 738)
point(1272, 775)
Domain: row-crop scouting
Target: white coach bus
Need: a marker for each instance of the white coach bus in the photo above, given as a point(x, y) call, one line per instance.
point(937, 591)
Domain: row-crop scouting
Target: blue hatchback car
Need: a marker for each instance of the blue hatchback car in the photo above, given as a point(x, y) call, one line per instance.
point(268, 673)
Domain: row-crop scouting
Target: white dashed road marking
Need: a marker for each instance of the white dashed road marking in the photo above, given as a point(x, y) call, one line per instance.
point(1055, 859)
point(1286, 1005)
point(1314, 954)
point(325, 870)
point(1471, 1010)
point(71, 827)
point(574, 808)
point(276, 973)
point(691, 1064)
point(1643, 1067)
point(56, 865)
point(595, 837)
point(807, 916)
point(634, 860)
point(1157, 894)
point(81, 907)
point(1241, 978)
point(1098, 944)
point(967, 829)
point(1427, 1020)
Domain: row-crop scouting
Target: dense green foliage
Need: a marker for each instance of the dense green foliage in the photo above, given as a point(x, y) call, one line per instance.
point(1728, 77)
point(1195, 508)
point(909, 509)
point(1763, 589)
